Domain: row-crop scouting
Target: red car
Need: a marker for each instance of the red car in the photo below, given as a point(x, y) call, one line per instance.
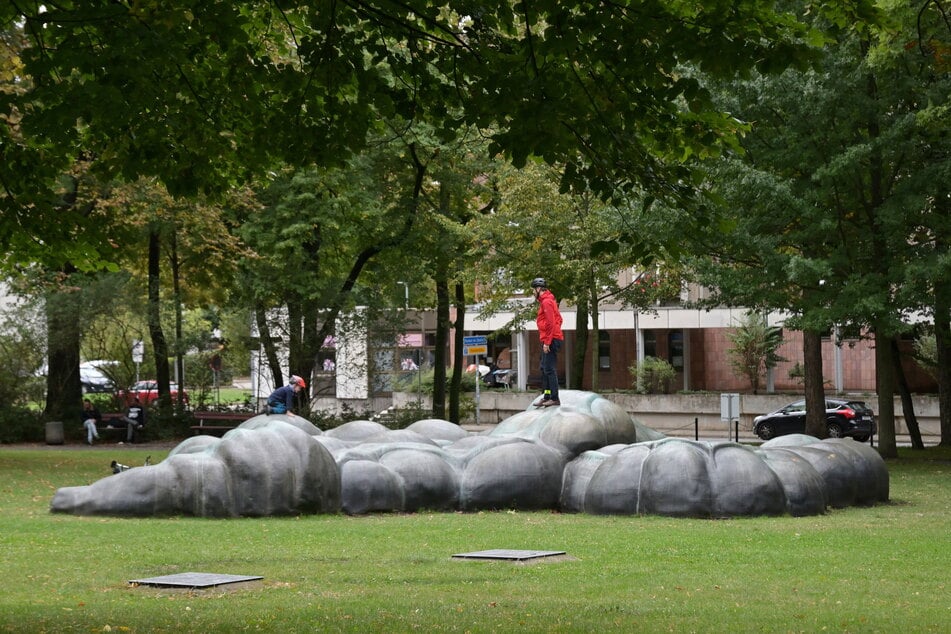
point(147, 391)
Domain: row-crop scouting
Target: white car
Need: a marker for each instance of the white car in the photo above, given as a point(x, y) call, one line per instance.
point(93, 378)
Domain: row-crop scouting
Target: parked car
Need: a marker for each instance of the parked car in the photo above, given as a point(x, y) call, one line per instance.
point(147, 392)
point(843, 418)
point(94, 379)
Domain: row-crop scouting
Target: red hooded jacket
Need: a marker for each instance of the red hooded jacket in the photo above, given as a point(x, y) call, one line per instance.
point(549, 318)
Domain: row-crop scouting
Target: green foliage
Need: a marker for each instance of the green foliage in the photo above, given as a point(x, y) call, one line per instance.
point(798, 373)
point(21, 424)
point(838, 212)
point(662, 286)
point(401, 417)
point(409, 382)
point(244, 86)
point(325, 419)
point(754, 348)
point(855, 132)
point(926, 353)
point(652, 376)
point(22, 352)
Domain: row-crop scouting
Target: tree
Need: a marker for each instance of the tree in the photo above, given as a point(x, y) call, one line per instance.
point(64, 287)
point(22, 352)
point(517, 242)
point(754, 348)
point(200, 95)
point(456, 192)
point(835, 191)
point(319, 230)
point(176, 244)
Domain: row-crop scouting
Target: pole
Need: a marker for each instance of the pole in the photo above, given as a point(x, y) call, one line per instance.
point(478, 379)
point(419, 349)
point(419, 361)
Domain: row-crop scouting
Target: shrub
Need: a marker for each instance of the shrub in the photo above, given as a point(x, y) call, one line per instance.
point(425, 381)
point(653, 376)
point(926, 354)
point(754, 348)
point(19, 424)
point(326, 419)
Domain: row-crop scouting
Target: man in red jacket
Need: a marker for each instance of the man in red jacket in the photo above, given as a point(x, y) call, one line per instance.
point(549, 332)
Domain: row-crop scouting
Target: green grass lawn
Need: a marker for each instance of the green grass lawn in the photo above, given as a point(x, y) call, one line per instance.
point(880, 569)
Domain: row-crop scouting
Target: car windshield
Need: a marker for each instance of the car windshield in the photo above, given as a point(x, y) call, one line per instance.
point(858, 406)
point(152, 385)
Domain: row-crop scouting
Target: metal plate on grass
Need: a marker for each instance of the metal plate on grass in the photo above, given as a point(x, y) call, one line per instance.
point(509, 555)
point(193, 580)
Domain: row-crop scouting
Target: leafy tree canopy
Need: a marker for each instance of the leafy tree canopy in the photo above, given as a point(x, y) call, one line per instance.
point(203, 94)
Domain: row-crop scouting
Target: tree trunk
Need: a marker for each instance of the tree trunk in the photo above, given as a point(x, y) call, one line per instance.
point(580, 351)
point(267, 342)
point(942, 335)
point(442, 337)
point(311, 343)
point(813, 383)
point(907, 404)
point(455, 389)
point(156, 334)
point(63, 335)
point(885, 386)
point(294, 334)
point(594, 342)
point(179, 338)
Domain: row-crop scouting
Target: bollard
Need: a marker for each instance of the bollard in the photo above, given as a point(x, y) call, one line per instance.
point(54, 432)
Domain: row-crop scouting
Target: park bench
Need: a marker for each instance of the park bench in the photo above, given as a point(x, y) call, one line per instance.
point(111, 426)
point(218, 423)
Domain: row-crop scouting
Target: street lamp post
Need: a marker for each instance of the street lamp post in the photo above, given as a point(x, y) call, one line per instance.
point(419, 353)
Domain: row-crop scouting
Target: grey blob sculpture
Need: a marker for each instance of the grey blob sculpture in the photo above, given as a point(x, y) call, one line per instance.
point(587, 455)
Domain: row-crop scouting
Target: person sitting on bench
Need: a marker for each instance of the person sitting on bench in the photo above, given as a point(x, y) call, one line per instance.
point(90, 417)
point(134, 419)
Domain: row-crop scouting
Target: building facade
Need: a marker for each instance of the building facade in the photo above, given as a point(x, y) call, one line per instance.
point(694, 341)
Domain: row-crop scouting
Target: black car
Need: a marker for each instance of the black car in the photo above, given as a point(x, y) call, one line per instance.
point(843, 418)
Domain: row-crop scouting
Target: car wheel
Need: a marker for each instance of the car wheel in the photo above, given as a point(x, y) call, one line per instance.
point(835, 430)
point(861, 438)
point(765, 431)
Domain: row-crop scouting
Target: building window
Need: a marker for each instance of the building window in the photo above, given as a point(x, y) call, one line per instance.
point(604, 350)
point(650, 343)
point(675, 349)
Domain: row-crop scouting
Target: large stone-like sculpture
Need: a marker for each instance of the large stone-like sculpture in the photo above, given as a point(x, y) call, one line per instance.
point(588, 455)
point(265, 467)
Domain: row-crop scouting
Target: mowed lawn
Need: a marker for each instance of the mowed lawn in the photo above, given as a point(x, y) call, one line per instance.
point(881, 569)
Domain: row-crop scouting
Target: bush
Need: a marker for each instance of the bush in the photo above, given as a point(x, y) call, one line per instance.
point(425, 381)
point(325, 419)
point(19, 424)
point(401, 417)
point(653, 376)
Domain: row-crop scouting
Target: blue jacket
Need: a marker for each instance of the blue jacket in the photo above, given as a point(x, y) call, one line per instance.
point(282, 395)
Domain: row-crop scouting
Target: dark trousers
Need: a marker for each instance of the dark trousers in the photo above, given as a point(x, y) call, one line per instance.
point(549, 367)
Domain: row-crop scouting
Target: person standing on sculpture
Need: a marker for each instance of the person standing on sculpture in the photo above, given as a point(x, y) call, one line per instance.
point(549, 332)
point(281, 400)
